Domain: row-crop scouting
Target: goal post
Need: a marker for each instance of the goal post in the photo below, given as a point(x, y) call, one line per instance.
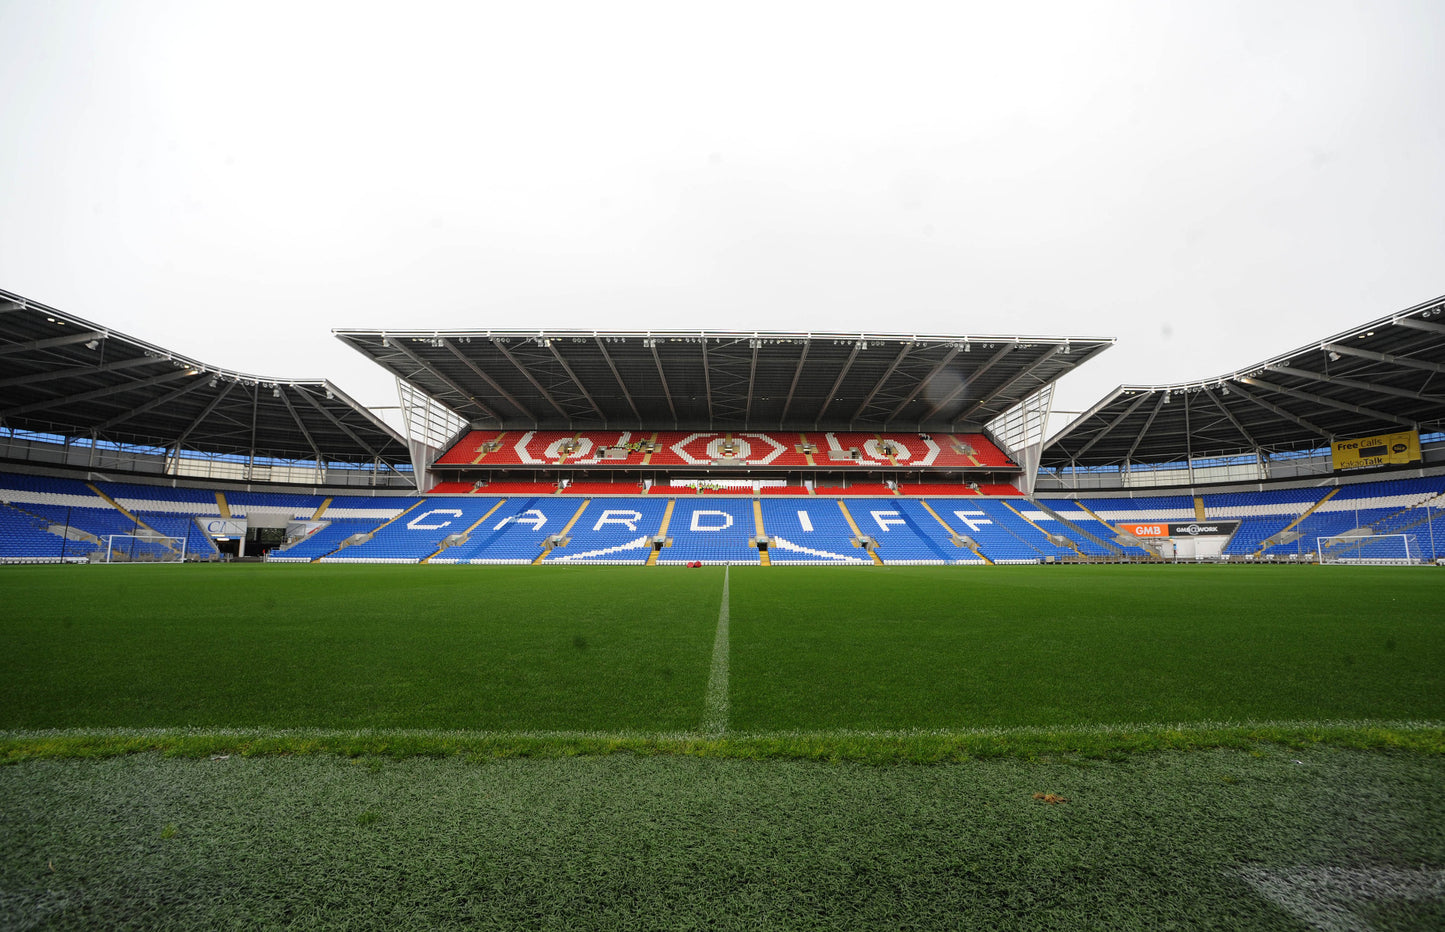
point(143, 548)
point(1368, 548)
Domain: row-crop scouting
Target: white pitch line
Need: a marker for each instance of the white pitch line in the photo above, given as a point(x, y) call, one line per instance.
point(715, 711)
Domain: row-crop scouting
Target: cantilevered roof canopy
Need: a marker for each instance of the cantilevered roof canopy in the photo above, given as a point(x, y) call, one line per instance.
point(63, 375)
point(1381, 377)
point(568, 379)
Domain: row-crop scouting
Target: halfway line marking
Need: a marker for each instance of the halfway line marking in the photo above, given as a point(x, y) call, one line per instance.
point(715, 710)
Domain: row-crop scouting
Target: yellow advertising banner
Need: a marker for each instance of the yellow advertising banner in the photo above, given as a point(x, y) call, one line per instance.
point(1379, 450)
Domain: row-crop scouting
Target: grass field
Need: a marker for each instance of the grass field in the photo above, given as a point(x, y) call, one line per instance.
point(1234, 747)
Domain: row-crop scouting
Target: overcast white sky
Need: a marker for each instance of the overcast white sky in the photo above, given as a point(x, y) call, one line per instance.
point(1212, 183)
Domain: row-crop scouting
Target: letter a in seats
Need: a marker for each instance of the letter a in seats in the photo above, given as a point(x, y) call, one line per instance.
point(532, 516)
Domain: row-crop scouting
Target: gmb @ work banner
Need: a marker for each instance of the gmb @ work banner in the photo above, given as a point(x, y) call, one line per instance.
point(1379, 450)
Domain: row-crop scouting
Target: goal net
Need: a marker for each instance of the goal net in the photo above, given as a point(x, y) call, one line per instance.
point(1368, 548)
point(143, 548)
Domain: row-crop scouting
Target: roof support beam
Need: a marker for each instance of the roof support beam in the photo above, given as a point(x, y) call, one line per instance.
point(81, 370)
point(963, 386)
point(502, 348)
point(1111, 425)
point(345, 430)
point(1148, 423)
point(662, 376)
point(1281, 412)
point(1249, 438)
point(902, 354)
point(1353, 383)
point(151, 405)
point(752, 378)
point(205, 413)
point(1052, 352)
point(576, 381)
point(621, 385)
point(440, 376)
point(110, 390)
point(1415, 323)
point(1331, 403)
point(1382, 357)
point(485, 378)
point(923, 383)
point(301, 425)
point(797, 374)
point(707, 381)
point(7, 305)
point(68, 340)
point(857, 348)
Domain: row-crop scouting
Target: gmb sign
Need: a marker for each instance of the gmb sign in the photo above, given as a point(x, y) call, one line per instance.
point(1379, 450)
point(1175, 529)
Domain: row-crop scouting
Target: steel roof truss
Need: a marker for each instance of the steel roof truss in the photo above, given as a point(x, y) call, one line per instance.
point(442, 377)
point(206, 412)
point(857, 347)
point(1331, 403)
point(96, 369)
point(883, 380)
point(1009, 383)
point(150, 405)
point(1281, 412)
point(1374, 387)
point(502, 347)
point(576, 381)
point(797, 374)
point(1148, 423)
point(666, 392)
point(963, 386)
point(1219, 403)
point(1111, 425)
point(1383, 357)
point(621, 385)
point(300, 425)
point(97, 393)
point(67, 340)
point(492, 383)
point(922, 383)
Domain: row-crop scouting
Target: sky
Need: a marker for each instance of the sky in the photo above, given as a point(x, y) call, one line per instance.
point(1211, 183)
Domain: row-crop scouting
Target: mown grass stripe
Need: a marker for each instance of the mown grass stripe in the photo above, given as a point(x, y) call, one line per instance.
point(921, 747)
point(715, 714)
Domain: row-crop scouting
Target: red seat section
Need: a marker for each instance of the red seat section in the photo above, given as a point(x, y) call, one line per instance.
point(602, 488)
point(998, 488)
point(820, 449)
point(471, 449)
point(784, 490)
point(451, 488)
point(858, 488)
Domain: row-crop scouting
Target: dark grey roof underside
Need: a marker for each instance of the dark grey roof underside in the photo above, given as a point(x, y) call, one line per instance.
point(1384, 376)
point(712, 380)
point(63, 375)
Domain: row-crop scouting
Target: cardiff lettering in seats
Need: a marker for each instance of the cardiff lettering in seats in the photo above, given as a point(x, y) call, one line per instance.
point(698, 525)
point(532, 516)
point(886, 518)
point(415, 524)
point(627, 519)
point(972, 518)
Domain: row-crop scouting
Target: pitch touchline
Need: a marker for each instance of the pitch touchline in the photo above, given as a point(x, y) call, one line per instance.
point(715, 711)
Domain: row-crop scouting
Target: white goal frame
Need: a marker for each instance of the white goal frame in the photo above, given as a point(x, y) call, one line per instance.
point(1368, 549)
point(120, 548)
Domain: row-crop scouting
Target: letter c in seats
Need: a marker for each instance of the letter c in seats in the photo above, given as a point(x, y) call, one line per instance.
point(415, 524)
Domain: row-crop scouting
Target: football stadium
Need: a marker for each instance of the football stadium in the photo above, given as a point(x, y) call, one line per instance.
point(711, 629)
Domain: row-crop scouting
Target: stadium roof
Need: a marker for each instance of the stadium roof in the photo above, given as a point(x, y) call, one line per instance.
point(1384, 376)
point(63, 375)
point(570, 379)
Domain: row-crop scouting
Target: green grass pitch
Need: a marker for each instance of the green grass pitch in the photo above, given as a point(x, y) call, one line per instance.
point(539, 748)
